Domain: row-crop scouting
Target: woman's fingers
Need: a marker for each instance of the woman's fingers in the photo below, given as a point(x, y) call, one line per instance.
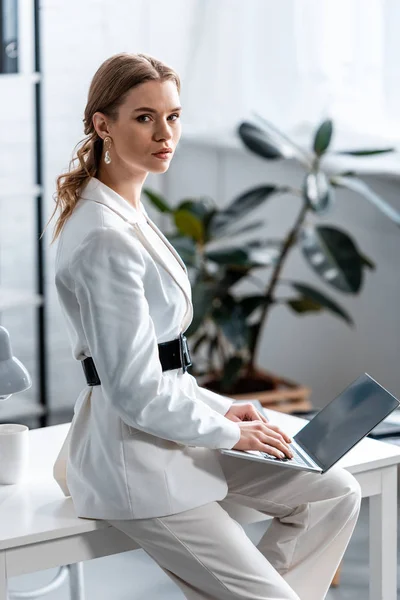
point(261, 416)
point(286, 437)
point(255, 415)
point(278, 444)
point(269, 431)
point(276, 439)
point(257, 435)
point(272, 450)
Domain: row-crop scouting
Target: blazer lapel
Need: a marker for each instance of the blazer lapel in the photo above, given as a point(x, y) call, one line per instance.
point(156, 243)
point(160, 248)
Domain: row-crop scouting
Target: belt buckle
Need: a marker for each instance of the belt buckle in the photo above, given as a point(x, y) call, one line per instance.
point(185, 354)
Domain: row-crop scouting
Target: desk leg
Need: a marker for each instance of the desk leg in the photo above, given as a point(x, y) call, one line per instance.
point(76, 583)
point(3, 576)
point(383, 538)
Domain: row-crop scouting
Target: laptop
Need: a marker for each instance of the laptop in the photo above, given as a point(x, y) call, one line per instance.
point(335, 429)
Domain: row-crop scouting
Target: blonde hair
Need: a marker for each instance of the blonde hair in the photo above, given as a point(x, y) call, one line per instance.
point(115, 77)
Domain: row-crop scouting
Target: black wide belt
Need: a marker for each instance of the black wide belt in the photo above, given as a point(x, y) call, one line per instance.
point(173, 355)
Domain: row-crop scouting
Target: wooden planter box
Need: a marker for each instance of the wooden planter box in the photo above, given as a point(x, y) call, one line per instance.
point(271, 390)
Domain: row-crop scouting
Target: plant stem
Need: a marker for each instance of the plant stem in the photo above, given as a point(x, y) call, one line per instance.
point(220, 349)
point(290, 240)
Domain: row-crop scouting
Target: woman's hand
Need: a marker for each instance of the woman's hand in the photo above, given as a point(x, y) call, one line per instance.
point(257, 433)
point(244, 412)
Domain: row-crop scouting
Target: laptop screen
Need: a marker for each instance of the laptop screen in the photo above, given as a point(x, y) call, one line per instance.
point(346, 420)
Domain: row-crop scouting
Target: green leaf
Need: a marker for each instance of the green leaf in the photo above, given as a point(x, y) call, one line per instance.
point(333, 255)
point(200, 340)
point(199, 207)
point(242, 205)
point(230, 256)
point(188, 224)
point(203, 209)
point(230, 232)
point(358, 186)
point(317, 192)
point(367, 262)
point(247, 201)
point(185, 246)
point(286, 146)
point(227, 231)
point(228, 277)
point(244, 256)
point(263, 256)
point(157, 200)
point(213, 347)
point(365, 152)
point(304, 305)
point(317, 298)
point(345, 174)
point(323, 137)
point(231, 320)
point(203, 294)
point(256, 141)
point(250, 303)
point(231, 373)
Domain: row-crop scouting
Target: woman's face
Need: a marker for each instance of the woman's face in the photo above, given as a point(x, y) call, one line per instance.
point(139, 132)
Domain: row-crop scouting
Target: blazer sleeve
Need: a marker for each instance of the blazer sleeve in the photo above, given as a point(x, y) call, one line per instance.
point(216, 401)
point(107, 270)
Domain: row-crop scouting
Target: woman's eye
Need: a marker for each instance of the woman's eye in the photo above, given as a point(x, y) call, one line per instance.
point(145, 116)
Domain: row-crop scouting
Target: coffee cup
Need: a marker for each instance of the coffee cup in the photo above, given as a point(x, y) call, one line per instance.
point(14, 452)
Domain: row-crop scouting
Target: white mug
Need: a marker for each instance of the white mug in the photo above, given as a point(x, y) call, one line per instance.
point(14, 452)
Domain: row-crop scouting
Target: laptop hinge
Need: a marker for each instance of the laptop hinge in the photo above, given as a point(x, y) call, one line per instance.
point(307, 455)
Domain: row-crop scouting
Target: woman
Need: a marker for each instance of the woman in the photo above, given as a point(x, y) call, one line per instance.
point(144, 438)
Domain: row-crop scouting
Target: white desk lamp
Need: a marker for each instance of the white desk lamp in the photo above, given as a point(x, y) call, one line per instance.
point(14, 377)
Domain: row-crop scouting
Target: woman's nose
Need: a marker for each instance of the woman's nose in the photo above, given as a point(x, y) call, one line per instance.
point(163, 132)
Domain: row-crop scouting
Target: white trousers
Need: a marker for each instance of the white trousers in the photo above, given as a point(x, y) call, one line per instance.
point(210, 557)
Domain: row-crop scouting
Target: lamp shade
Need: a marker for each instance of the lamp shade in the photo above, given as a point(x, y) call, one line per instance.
point(14, 377)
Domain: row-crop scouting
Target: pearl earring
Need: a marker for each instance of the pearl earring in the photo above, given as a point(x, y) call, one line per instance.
point(107, 157)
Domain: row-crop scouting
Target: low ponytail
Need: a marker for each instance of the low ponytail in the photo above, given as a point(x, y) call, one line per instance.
point(82, 167)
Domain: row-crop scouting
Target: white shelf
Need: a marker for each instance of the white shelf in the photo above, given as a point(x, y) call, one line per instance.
point(9, 189)
point(21, 86)
point(16, 408)
point(216, 138)
point(28, 77)
point(11, 298)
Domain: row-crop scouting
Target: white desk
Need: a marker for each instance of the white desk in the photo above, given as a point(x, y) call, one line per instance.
point(39, 529)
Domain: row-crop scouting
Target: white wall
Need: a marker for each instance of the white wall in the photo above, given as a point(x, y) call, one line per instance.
point(319, 351)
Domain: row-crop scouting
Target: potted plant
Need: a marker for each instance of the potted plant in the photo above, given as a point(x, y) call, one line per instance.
point(226, 327)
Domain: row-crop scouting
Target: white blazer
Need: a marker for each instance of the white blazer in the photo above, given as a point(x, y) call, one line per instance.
point(143, 443)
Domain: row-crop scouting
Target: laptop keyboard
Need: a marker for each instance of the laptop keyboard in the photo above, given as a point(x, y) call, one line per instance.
point(297, 458)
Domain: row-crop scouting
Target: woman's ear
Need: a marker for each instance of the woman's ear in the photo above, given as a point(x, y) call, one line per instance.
point(100, 124)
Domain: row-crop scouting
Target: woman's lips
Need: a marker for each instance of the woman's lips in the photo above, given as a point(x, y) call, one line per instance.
point(163, 155)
